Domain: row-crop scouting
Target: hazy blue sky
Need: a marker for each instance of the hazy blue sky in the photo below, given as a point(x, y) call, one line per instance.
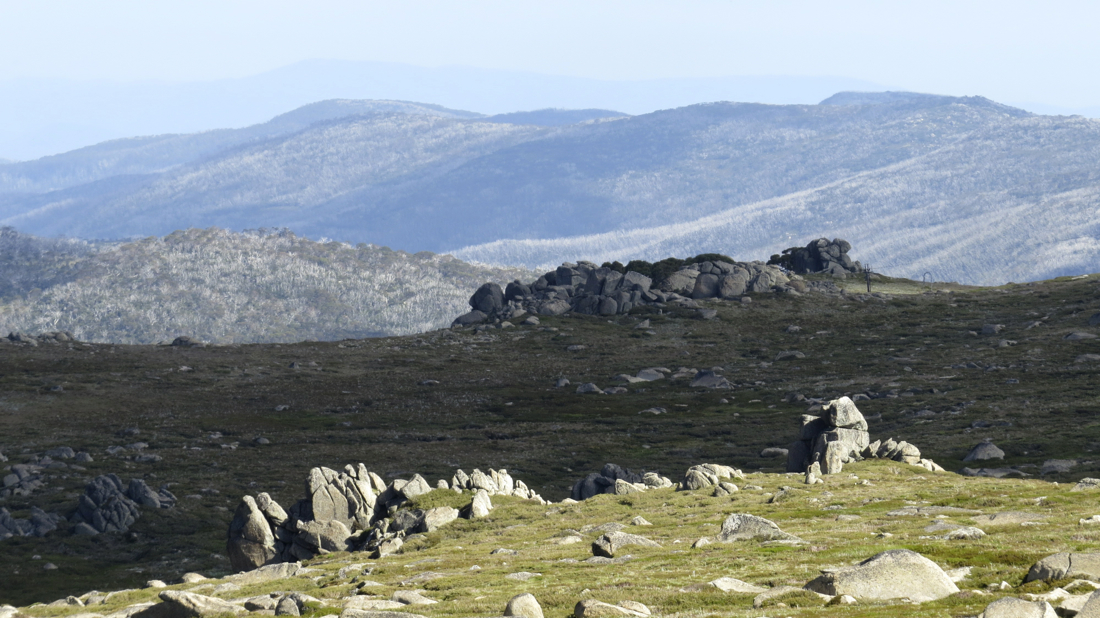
point(1008, 50)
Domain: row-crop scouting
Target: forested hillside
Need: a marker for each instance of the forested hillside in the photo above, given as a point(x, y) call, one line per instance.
point(961, 187)
point(224, 287)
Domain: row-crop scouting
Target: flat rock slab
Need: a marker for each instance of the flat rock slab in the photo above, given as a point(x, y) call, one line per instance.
point(1011, 607)
point(360, 613)
point(729, 584)
point(1008, 518)
point(179, 604)
point(894, 574)
point(591, 608)
point(930, 511)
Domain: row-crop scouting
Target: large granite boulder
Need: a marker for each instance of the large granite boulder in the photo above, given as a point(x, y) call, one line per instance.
point(745, 527)
point(251, 542)
point(894, 574)
point(1066, 565)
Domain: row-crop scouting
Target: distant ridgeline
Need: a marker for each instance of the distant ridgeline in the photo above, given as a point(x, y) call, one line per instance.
point(613, 288)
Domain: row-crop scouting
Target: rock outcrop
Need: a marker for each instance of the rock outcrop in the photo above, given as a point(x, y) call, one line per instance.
point(613, 479)
point(353, 510)
point(894, 574)
point(40, 523)
point(587, 288)
point(838, 435)
point(820, 256)
point(109, 506)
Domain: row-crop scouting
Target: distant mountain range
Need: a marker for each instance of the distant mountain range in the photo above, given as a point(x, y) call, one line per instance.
point(224, 287)
point(963, 188)
point(49, 116)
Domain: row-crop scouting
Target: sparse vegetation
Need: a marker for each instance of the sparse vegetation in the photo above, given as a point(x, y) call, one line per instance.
point(495, 406)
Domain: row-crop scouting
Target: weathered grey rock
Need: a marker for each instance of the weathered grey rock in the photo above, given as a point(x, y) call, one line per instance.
point(589, 388)
point(965, 533)
point(481, 505)
point(180, 604)
point(105, 505)
point(266, 573)
point(894, 574)
point(388, 547)
point(591, 608)
point(984, 451)
point(708, 379)
point(1010, 607)
point(251, 541)
point(525, 605)
point(412, 597)
point(436, 518)
point(1066, 565)
point(843, 413)
point(489, 298)
point(1057, 466)
point(330, 535)
point(472, 317)
point(367, 613)
point(729, 584)
point(287, 607)
point(417, 486)
point(1091, 607)
point(745, 527)
point(611, 542)
point(649, 375)
point(367, 603)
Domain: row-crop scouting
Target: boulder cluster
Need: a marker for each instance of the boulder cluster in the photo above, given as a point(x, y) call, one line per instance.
point(615, 480)
point(33, 340)
point(820, 256)
point(837, 434)
point(353, 510)
point(594, 290)
point(108, 505)
point(39, 524)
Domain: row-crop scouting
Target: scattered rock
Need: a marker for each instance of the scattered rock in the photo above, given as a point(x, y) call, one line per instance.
point(611, 542)
point(1008, 518)
point(1086, 483)
point(640, 521)
point(589, 387)
point(708, 379)
point(729, 584)
point(894, 574)
point(524, 605)
point(591, 608)
point(984, 451)
point(1079, 336)
point(1057, 466)
point(522, 576)
point(1010, 607)
point(411, 597)
point(745, 527)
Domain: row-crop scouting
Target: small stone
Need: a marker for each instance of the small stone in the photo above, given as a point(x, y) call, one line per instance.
point(639, 521)
point(525, 605)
